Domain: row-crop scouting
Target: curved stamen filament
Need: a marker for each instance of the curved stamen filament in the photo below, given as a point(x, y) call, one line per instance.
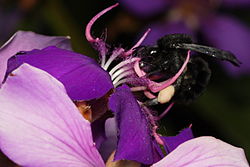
point(130, 51)
point(125, 74)
point(122, 75)
point(93, 20)
point(122, 81)
point(121, 64)
point(118, 72)
point(156, 87)
point(114, 55)
point(103, 51)
point(138, 70)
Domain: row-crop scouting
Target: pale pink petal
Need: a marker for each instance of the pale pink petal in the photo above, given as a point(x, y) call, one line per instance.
point(26, 41)
point(204, 152)
point(39, 124)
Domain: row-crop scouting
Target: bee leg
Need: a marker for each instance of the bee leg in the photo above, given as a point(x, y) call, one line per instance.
point(165, 112)
point(151, 102)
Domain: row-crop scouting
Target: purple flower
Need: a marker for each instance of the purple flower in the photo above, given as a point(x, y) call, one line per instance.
point(86, 80)
point(41, 126)
point(72, 69)
point(198, 17)
point(82, 77)
point(57, 133)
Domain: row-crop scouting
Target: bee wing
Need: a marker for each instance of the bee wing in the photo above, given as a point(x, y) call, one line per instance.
point(217, 53)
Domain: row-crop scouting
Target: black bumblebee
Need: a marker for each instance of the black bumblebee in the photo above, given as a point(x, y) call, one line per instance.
point(163, 61)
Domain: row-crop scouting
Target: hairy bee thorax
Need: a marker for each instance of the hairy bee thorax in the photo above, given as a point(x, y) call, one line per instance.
point(171, 41)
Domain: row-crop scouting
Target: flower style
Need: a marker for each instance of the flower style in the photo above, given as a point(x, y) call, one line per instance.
point(198, 17)
point(58, 135)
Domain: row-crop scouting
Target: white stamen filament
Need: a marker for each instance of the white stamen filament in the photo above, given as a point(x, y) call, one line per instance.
point(103, 55)
point(114, 55)
point(122, 64)
point(118, 72)
point(123, 75)
point(103, 61)
point(126, 80)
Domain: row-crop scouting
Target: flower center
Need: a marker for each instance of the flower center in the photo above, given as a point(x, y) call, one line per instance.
point(128, 71)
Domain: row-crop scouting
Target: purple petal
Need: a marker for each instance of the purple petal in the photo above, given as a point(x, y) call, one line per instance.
point(229, 34)
point(98, 131)
point(159, 30)
point(26, 41)
point(110, 144)
point(40, 126)
point(134, 140)
point(238, 3)
point(204, 152)
point(82, 77)
point(172, 142)
point(145, 8)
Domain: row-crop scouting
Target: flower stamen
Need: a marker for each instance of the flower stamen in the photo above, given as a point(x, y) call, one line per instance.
point(88, 35)
point(119, 72)
point(123, 75)
point(156, 87)
point(138, 88)
point(122, 64)
point(138, 70)
point(114, 55)
point(126, 80)
point(130, 51)
point(149, 95)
